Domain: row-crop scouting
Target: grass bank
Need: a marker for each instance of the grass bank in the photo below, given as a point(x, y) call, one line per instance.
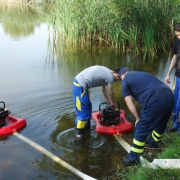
point(169, 148)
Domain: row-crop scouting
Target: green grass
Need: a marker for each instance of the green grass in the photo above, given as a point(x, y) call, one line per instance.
point(170, 150)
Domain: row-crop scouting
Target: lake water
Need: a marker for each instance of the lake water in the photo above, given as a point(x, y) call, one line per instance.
point(36, 75)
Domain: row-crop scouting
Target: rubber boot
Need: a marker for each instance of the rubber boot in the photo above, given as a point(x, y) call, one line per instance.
point(79, 136)
point(88, 124)
point(153, 145)
point(128, 162)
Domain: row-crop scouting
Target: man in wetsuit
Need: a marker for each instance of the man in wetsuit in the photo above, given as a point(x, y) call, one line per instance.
point(156, 100)
point(91, 77)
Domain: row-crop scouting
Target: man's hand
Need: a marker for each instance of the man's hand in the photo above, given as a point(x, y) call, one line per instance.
point(136, 122)
point(131, 107)
point(113, 104)
point(168, 79)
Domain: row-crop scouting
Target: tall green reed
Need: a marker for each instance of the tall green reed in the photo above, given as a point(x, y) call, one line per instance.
point(133, 25)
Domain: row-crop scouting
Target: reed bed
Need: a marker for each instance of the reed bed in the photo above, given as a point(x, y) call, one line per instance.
point(139, 26)
point(132, 25)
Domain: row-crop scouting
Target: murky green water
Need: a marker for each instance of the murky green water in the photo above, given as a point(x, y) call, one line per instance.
point(36, 75)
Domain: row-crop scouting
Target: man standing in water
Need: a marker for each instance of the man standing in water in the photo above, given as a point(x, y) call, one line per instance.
point(91, 77)
point(175, 62)
point(156, 100)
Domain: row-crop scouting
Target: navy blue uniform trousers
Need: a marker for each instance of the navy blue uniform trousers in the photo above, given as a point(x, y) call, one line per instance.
point(153, 119)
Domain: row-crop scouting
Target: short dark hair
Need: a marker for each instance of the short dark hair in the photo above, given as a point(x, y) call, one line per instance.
point(116, 70)
point(177, 27)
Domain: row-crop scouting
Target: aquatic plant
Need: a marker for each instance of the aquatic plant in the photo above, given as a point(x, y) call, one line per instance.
point(140, 26)
point(133, 25)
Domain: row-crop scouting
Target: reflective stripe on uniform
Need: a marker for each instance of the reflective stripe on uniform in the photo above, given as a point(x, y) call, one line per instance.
point(157, 137)
point(76, 84)
point(137, 150)
point(138, 142)
point(78, 104)
point(84, 91)
point(137, 146)
point(81, 124)
point(174, 83)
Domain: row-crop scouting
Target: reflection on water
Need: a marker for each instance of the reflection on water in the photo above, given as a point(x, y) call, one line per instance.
point(36, 75)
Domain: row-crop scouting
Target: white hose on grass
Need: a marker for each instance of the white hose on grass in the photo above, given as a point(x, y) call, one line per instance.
point(127, 147)
point(53, 157)
point(163, 163)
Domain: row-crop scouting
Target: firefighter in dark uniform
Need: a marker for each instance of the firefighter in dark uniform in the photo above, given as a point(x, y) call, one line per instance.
point(156, 100)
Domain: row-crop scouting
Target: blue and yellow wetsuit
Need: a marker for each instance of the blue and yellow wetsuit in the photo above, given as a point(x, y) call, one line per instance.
point(93, 76)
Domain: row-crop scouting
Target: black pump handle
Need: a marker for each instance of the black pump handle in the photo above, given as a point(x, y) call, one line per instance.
point(118, 104)
point(3, 103)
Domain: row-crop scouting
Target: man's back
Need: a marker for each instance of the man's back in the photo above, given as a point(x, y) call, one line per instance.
point(95, 76)
point(144, 87)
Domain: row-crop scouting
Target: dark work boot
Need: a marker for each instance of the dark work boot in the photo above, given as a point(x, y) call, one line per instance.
point(88, 124)
point(173, 129)
point(79, 136)
point(153, 145)
point(128, 162)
